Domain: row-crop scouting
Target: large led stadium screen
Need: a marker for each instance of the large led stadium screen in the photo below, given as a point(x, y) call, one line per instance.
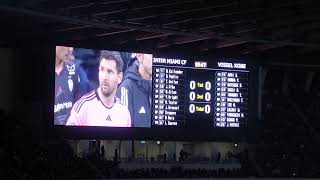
point(129, 89)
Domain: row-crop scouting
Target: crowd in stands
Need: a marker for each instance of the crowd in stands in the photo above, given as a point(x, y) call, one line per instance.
point(28, 156)
point(178, 172)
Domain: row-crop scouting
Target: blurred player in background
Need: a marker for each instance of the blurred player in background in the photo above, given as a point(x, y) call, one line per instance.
point(135, 90)
point(101, 107)
point(66, 84)
point(85, 85)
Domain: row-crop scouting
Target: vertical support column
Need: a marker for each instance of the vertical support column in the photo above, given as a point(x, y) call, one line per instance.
point(285, 84)
point(127, 149)
point(119, 150)
point(309, 79)
point(133, 156)
point(7, 75)
point(146, 150)
point(261, 75)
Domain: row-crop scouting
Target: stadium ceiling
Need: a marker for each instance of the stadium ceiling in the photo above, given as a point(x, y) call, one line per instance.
point(283, 27)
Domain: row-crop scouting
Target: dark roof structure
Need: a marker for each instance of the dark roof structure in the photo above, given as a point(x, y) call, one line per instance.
point(281, 30)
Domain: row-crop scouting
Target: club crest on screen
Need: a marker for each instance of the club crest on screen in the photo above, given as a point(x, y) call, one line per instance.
point(71, 69)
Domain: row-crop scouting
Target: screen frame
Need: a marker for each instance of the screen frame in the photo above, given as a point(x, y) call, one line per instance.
point(162, 133)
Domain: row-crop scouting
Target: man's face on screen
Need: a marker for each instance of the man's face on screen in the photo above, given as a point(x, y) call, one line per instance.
point(64, 53)
point(109, 77)
point(146, 62)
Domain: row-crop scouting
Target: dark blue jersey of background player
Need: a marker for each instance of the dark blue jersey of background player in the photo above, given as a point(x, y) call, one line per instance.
point(66, 92)
point(67, 84)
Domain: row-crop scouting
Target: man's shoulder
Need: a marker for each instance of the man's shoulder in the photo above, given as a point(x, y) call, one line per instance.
point(120, 104)
point(127, 82)
point(84, 101)
point(126, 87)
point(130, 84)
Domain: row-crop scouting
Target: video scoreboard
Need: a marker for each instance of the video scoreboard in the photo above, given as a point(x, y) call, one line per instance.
point(167, 95)
point(193, 94)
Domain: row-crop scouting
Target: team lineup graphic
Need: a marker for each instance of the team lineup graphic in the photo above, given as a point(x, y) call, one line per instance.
point(126, 89)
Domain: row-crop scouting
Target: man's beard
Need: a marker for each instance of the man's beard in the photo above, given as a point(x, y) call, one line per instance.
point(106, 91)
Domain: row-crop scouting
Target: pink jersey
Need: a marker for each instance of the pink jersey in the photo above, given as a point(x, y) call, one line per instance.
point(90, 111)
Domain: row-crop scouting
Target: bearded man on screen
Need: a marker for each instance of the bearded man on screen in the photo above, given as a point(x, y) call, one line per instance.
point(101, 107)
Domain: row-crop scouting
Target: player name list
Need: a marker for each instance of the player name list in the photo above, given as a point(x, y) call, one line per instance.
point(169, 96)
point(231, 98)
point(222, 96)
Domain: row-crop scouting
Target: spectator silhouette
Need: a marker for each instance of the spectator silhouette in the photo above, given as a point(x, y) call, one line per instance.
point(115, 159)
point(181, 155)
point(218, 157)
point(102, 152)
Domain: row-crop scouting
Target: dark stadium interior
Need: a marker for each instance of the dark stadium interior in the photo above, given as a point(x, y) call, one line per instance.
point(281, 37)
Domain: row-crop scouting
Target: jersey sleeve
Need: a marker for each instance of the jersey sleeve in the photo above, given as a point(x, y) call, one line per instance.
point(77, 80)
point(77, 117)
point(124, 93)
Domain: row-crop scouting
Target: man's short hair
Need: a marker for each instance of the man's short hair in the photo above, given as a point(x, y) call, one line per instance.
point(112, 55)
